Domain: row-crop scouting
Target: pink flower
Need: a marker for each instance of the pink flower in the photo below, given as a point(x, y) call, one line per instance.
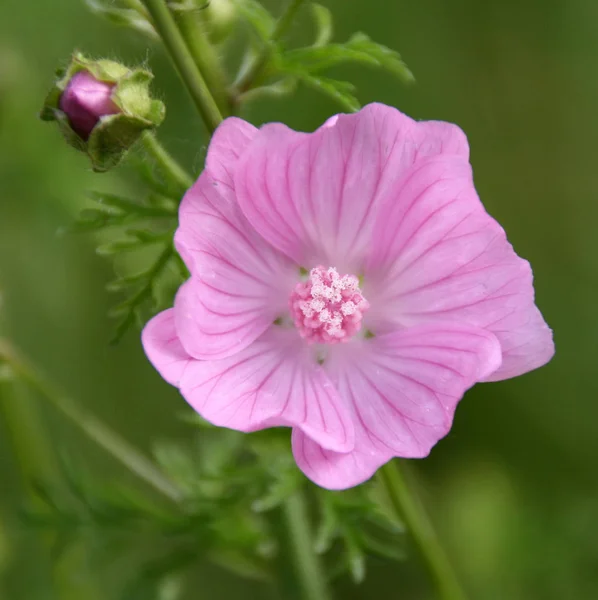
point(347, 283)
point(85, 101)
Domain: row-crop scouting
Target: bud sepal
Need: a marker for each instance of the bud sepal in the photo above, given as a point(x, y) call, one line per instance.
point(102, 107)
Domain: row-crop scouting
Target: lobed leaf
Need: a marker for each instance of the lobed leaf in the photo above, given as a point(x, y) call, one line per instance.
point(359, 49)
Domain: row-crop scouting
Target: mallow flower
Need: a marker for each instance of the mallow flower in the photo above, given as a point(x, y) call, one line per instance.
point(346, 283)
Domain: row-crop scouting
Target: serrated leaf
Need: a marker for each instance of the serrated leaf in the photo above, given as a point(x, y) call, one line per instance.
point(118, 247)
point(359, 49)
point(278, 89)
point(122, 17)
point(122, 283)
point(127, 206)
point(323, 19)
point(129, 309)
point(145, 236)
point(339, 91)
point(258, 17)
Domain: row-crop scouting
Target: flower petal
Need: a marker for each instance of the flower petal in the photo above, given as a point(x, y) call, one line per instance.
point(274, 382)
point(239, 283)
point(402, 389)
point(163, 348)
point(229, 141)
point(439, 137)
point(315, 197)
point(438, 256)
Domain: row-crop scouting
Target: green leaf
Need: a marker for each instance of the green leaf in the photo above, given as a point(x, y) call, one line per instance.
point(339, 91)
point(125, 205)
point(323, 19)
point(91, 219)
point(122, 283)
point(122, 17)
point(278, 89)
point(359, 49)
point(258, 17)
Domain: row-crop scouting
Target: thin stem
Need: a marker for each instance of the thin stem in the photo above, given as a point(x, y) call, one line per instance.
point(413, 514)
point(205, 56)
point(26, 432)
point(254, 71)
point(166, 27)
point(167, 163)
point(95, 429)
point(309, 572)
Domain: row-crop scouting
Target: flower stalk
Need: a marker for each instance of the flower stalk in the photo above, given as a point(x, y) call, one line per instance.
point(95, 429)
point(411, 511)
point(204, 55)
point(175, 44)
point(306, 563)
point(170, 167)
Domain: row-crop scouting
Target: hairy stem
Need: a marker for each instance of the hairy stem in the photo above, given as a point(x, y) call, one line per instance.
point(95, 429)
point(166, 162)
point(306, 563)
point(413, 514)
point(165, 24)
point(253, 73)
point(205, 56)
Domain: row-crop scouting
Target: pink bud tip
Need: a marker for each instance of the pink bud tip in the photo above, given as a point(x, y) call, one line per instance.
point(85, 101)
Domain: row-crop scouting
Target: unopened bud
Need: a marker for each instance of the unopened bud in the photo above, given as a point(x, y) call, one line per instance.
point(102, 107)
point(85, 101)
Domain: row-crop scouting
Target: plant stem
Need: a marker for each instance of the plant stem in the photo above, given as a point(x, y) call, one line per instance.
point(254, 71)
point(413, 514)
point(307, 565)
point(26, 432)
point(166, 27)
point(205, 56)
point(167, 163)
point(95, 429)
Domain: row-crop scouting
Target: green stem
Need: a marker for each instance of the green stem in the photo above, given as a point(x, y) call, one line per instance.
point(28, 438)
point(95, 429)
point(205, 56)
point(413, 514)
point(174, 42)
point(306, 563)
point(166, 162)
point(254, 71)
point(37, 459)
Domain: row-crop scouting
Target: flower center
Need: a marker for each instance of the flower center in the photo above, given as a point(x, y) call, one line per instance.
point(327, 308)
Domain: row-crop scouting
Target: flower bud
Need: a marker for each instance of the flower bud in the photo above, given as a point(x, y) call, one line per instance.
point(217, 16)
point(102, 107)
point(220, 17)
point(85, 101)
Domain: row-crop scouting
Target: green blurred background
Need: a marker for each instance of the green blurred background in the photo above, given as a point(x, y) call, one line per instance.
point(513, 488)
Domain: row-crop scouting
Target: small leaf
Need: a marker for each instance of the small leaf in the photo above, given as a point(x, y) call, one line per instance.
point(323, 19)
point(359, 49)
point(122, 283)
point(278, 89)
point(129, 206)
point(122, 17)
point(118, 247)
point(340, 91)
point(356, 562)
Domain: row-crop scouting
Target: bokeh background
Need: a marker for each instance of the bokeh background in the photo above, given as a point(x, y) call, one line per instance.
point(513, 488)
